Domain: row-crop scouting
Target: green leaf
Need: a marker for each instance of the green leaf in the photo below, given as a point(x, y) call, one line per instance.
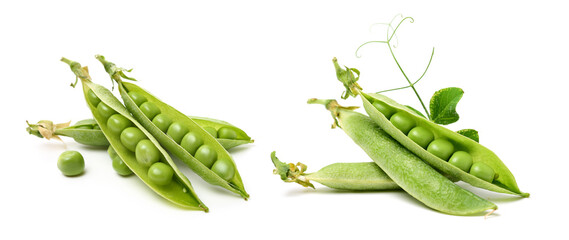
point(469, 133)
point(443, 105)
point(416, 111)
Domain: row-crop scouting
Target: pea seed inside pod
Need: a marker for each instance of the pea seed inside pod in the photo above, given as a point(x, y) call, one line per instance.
point(117, 123)
point(191, 142)
point(441, 148)
point(149, 109)
point(84, 127)
point(206, 155)
point(137, 97)
point(105, 111)
point(482, 171)
point(462, 160)
point(226, 133)
point(92, 98)
point(162, 121)
point(402, 121)
point(384, 109)
point(224, 168)
point(118, 164)
point(211, 131)
point(130, 137)
point(146, 153)
point(160, 173)
point(177, 131)
point(421, 136)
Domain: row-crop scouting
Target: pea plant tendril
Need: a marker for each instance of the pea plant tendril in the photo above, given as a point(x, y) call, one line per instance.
point(391, 34)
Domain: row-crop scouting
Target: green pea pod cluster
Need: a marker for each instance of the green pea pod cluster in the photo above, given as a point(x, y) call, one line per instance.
point(405, 168)
point(215, 165)
point(504, 181)
point(87, 132)
point(103, 103)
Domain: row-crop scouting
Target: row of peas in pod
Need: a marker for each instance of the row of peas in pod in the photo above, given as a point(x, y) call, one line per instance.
point(439, 147)
point(191, 141)
point(147, 154)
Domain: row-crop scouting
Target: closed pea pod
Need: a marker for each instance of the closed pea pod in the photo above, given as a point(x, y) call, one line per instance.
point(179, 190)
point(425, 184)
point(171, 140)
point(357, 176)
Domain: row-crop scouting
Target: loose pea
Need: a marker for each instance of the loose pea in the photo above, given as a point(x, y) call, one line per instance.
point(462, 160)
point(384, 109)
point(117, 123)
point(92, 98)
point(130, 137)
point(71, 163)
point(226, 133)
point(224, 168)
point(191, 142)
point(162, 122)
point(211, 131)
point(421, 136)
point(118, 164)
point(402, 122)
point(104, 110)
point(482, 171)
point(160, 173)
point(149, 109)
point(177, 131)
point(441, 148)
point(146, 153)
point(137, 98)
point(206, 155)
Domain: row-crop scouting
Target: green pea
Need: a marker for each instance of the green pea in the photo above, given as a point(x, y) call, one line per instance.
point(482, 171)
point(191, 142)
point(224, 168)
point(71, 163)
point(92, 98)
point(149, 109)
point(137, 97)
point(160, 173)
point(146, 153)
point(105, 111)
point(117, 123)
point(177, 131)
point(421, 136)
point(162, 121)
point(118, 164)
point(97, 127)
point(130, 137)
point(441, 148)
point(462, 160)
point(226, 133)
point(211, 131)
point(402, 121)
point(206, 155)
point(84, 127)
point(384, 109)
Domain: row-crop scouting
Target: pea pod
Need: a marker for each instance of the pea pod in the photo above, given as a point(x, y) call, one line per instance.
point(87, 131)
point(406, 169)
point(179, 189)
point(434, 143)
point(208, 158)
point(357, 176)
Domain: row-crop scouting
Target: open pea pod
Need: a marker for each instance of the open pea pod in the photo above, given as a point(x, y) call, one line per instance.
point(87, 131)
point(240, 136)
point(179, 134)
point(503, 182)
point(179, 190)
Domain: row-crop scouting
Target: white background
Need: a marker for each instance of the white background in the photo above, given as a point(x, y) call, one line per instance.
point(254, 64)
